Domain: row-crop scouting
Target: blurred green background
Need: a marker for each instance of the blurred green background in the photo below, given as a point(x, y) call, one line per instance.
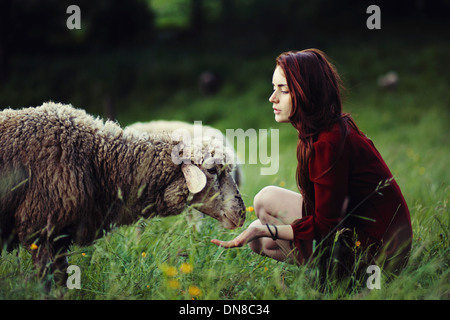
point(137, 60)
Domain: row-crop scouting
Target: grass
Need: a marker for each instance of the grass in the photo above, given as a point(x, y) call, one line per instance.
point(409, 126)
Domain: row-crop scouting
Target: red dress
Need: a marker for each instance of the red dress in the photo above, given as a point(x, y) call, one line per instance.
point(380, 220)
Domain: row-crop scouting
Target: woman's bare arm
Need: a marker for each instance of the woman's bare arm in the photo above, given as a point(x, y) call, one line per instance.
point(253, 232)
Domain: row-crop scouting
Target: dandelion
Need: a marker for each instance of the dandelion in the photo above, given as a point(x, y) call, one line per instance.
point(83, 254)
point(169, 270)
point(33, 246)
point(148, 286)
point(186, 268)
point(194, 291)
point(143, 254)
point(358, 243)
point(265, 269)
point(250, 209)
point(173, 284)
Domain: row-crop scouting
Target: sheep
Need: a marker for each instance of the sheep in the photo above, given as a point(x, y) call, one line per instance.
point(209, 83)
point(179, 130)
point(389, 80)
point(68, 178)
point(183, 130)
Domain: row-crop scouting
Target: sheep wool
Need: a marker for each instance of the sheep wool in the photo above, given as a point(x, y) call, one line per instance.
point(214, 137)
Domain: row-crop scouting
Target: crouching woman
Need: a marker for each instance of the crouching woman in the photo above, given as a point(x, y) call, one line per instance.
point(348, 200)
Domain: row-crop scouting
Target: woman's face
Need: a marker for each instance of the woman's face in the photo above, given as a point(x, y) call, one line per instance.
point(280, 98)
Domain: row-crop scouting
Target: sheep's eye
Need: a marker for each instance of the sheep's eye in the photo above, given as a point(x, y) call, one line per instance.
point(212, 170)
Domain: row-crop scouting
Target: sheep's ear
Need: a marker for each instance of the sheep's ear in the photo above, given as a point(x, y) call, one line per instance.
point(195, 178)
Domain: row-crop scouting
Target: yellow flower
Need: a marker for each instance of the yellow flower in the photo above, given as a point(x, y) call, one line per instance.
point(282, 184)
point(33, 246)
point(186, 268)
point(83, 254)
point(143, 254)
point(265, 269)
point(411, 153)
point(169, 270)
point(250, 209)
point(194, 291)
point(174, 284)
point(148, 286)
point(357, 243)
point(421, 171)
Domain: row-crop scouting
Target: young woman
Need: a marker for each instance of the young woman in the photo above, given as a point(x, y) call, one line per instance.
point(348, 200)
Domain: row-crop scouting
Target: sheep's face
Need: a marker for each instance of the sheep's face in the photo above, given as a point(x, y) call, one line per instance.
point(215, 193)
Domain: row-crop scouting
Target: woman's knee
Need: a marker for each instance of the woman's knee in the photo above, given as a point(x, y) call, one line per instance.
point(277, 205)
point(263, 198)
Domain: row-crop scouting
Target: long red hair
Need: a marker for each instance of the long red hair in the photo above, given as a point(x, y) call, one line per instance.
point(315, 88)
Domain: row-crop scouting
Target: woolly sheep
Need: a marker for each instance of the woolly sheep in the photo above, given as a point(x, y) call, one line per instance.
point(180, 130)
point(67, 177)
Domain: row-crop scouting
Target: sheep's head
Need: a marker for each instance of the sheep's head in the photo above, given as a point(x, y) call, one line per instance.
point(206, 182)
point(215, 193)
point(207, 169)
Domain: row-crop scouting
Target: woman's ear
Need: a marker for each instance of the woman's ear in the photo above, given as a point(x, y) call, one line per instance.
point(195, 178)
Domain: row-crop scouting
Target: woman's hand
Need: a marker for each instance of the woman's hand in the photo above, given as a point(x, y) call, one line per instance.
point(250, 234)
point(255, 231)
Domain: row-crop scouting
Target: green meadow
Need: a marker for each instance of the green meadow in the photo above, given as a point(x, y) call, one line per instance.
point(166, 258)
